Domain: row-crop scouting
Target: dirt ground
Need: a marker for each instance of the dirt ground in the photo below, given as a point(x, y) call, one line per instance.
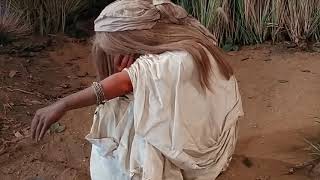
point(280, 88)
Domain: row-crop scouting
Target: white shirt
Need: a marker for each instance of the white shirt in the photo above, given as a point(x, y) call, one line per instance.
point(170, 128)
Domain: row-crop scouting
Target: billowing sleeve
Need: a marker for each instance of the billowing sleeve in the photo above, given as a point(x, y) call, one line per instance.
point(157, 83)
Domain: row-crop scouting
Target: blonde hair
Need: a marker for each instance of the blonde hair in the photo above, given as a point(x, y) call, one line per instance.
point(161, 38)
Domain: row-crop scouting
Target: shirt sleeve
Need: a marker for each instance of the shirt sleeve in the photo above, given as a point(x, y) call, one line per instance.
point(157, 82)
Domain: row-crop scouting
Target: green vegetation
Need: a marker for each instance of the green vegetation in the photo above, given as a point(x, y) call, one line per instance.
point(254, 21)
point(233, 22)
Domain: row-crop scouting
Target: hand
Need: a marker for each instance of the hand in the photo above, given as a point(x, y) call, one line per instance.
point(121, 62)
point(44, 118)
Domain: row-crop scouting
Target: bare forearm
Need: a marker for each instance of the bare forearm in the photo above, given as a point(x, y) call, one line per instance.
point(114, 86)
point(80, 99)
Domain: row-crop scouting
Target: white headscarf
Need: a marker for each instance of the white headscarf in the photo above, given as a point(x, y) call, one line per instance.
point(123, 15)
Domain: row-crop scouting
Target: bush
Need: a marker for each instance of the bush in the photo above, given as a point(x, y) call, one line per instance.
point(51, 16)
point(254, 21)
point(11, 24)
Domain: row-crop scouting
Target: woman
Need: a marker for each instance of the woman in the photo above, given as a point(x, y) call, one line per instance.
point(172, 114)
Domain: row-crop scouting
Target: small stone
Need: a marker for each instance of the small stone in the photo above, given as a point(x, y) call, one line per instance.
point(306, 71)
point(283, 81)
point(291, 171)
point(247, 162)
point(12, 73)
point(35, 102)
point(18, 134)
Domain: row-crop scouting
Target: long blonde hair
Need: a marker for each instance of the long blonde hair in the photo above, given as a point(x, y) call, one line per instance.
point(161, 38)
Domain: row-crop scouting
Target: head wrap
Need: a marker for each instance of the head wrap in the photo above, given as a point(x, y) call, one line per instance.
point(123, 15)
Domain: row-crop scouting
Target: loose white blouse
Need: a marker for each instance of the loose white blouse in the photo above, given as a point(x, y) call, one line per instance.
point(169, 128)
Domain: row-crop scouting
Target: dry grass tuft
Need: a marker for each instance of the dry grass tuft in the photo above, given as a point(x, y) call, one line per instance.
point(51, 16)
point(12, 25)
point(255, 21)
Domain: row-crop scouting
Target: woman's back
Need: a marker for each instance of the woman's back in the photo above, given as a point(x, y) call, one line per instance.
point(173, 118)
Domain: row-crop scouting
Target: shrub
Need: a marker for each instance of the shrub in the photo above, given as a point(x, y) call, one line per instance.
point(51, 16)
point(255, 21)
point(12, 25)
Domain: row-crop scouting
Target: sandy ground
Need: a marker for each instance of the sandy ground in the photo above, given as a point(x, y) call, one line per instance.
point(280, 88)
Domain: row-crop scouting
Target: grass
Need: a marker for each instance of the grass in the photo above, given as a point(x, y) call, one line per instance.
point(255, 21)
point(51, 16)
point(233, 22)
point(12, 26)
point(298, 19)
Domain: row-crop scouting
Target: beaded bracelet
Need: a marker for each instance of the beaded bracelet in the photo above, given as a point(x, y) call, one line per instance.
point(98, 91)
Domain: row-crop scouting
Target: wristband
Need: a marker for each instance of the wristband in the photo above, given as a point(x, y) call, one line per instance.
point(98, 91)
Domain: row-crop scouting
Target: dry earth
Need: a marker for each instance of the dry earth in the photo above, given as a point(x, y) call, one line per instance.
point(280, 89)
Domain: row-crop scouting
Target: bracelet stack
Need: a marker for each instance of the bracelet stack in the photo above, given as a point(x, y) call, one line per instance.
point(98, 91)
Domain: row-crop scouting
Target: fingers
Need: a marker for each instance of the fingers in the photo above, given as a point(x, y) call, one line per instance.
point(34, 125)
point(44, 118)
point(38, 130)
point(122, 62)
point(43, 130)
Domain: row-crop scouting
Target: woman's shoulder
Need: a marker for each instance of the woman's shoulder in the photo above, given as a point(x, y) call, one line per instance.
point(171, 58)
point(176, 56)
point(167, 62)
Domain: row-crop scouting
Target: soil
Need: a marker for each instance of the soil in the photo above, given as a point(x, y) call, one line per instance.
point(280, 88)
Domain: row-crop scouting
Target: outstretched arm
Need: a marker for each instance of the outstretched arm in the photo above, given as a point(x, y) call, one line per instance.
point(116, 85)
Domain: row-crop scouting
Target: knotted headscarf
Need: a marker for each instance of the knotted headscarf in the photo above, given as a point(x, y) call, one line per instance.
point(125, 15)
